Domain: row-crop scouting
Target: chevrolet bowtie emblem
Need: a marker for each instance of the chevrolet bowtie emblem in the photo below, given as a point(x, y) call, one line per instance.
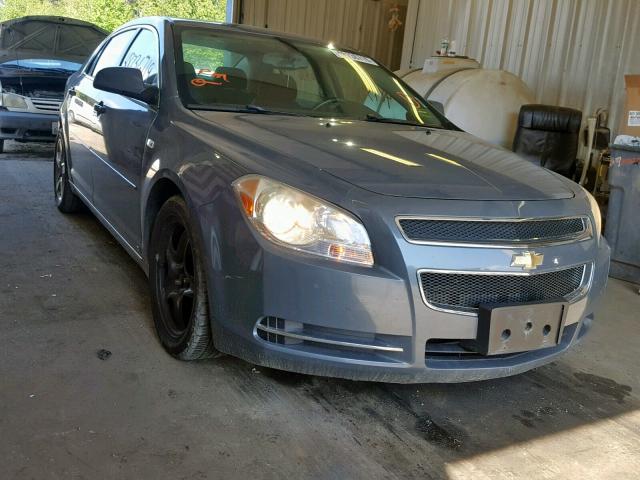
point(527, 260)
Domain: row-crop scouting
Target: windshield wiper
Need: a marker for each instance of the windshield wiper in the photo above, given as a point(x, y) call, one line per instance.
point(37, 69)
point(18, 67)
point(54, 69)
point(242, 109)
point(375, 118)
point(265, 111)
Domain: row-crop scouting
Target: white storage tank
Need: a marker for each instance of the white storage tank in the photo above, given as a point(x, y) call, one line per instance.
point(482, 102)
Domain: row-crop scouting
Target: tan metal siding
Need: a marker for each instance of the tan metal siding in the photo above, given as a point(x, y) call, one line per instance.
point(358, 24)
point(335, 20)
point(570, 52)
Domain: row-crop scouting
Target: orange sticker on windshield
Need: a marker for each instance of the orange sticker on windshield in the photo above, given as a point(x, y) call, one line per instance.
point(201, 82)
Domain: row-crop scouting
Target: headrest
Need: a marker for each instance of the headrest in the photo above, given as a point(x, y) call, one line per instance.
point(550, 118)
point(188, 69)
point(236, 77)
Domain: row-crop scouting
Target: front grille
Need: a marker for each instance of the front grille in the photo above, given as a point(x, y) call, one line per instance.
point(511, 232)
point(467, 291)
point(46, 104)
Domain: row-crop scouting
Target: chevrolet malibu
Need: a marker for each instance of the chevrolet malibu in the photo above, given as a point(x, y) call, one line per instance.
point(298, 206)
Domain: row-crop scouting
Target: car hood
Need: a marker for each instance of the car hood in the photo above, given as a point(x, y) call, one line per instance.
point(399, 160)
point(48, 37)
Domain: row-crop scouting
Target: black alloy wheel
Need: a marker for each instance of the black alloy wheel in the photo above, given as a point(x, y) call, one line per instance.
point(66, 200)
point(177, 279)
point(179, 292)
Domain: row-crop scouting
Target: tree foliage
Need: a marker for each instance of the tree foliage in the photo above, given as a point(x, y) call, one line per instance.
point(109, 14)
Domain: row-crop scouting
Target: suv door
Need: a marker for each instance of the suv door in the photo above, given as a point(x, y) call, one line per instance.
point(125, 124)
point(83, 124)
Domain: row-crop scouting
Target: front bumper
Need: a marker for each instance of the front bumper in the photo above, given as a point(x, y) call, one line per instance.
point(254, 283)
point(27, 127)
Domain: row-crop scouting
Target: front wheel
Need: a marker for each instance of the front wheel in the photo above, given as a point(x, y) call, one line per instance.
point(178, 285)
point(66, 200)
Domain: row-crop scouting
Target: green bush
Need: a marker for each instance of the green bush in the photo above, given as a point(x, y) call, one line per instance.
point(110, 14)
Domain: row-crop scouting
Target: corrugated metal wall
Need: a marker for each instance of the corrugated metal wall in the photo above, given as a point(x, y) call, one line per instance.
point(335, 20)
point(570, 52)
point(358, 24)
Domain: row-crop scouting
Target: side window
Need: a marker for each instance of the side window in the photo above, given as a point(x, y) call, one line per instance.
point(143, 55)
point(113, 52)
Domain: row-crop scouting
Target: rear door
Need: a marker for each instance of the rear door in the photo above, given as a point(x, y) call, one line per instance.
point(85, 128)
point(120, 144)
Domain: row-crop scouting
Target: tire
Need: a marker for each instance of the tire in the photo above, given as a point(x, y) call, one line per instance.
point(66, 200)
point(178, 285)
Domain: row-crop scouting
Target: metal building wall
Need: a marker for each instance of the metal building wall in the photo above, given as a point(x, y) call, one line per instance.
point(358, 24)
point(335, 20)
point(570, 52)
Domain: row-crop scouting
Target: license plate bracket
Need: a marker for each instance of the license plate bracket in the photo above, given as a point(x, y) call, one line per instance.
point(514, 328)
point(54, 127)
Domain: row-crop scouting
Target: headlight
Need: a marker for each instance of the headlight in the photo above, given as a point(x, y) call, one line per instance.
point(595, 213)
point(13, 100)
point(302, 222)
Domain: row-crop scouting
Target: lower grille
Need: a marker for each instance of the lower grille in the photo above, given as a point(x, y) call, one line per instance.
point(465, 292)
point(269, 329)
point(447, 353)
point(286, 332)
point(460, 349)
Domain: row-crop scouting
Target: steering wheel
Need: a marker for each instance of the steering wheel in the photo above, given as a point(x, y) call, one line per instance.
point(329, 101)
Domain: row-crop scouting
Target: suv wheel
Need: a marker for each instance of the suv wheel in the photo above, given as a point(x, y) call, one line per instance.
point(178, 285)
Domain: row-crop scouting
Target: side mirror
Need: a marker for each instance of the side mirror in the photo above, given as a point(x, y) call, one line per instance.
point(125, 81)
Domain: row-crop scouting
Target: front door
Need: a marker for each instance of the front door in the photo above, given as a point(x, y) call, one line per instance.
point(83, 123)
point(119, 148)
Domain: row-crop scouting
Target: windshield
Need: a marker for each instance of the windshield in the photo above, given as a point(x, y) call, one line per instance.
point(42, 64)
point(261, 74)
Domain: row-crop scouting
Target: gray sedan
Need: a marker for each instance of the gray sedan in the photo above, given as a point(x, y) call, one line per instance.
point(298, 206)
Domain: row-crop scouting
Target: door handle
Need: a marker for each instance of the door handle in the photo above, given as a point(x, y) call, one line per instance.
point(99, 108)
point(72, 92)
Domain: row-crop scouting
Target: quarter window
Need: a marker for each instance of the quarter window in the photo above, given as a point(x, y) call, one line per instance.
point(112, 54)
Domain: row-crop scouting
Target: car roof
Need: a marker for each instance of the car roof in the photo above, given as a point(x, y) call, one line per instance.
point(160, 22)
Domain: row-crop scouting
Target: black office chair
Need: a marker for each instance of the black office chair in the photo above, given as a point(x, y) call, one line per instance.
point(548, 136)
